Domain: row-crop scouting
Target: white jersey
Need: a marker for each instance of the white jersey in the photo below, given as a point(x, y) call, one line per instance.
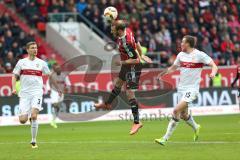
point(190, 69)
point(30, 72)
point(61, 80)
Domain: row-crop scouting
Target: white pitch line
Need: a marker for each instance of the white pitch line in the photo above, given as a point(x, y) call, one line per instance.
point(231, 133)
point(123, 142)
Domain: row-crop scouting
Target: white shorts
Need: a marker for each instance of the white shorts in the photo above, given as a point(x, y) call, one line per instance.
point(187, 95)
point(55, 98)
point(27, 103)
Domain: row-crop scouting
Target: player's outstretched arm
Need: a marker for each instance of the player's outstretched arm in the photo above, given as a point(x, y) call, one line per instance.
point(14, 79)
point(139, 49)
point(170, 69)
point(140, 55)
point(129, 61)
point(214, 69)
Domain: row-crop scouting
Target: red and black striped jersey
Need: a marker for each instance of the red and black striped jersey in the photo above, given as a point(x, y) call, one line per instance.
point(127, 46)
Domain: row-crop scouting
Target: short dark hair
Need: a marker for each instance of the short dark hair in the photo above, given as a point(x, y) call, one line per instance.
point(191, 40)
point(120, 24)
point(30, 43)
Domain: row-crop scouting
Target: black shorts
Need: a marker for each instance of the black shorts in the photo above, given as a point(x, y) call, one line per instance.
point(131, 74)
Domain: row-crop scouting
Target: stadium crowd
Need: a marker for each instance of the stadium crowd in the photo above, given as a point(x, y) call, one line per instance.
point(12, 41)
point(158, 25)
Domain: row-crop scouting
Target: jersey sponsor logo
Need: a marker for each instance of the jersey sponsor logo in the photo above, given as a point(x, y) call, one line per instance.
point(31, 72)
point(191, 65)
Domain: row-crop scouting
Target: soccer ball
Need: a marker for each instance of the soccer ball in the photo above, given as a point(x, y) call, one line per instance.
point(110, 13)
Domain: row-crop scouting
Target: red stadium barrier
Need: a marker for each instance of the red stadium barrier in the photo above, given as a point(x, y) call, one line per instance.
point(104, 80)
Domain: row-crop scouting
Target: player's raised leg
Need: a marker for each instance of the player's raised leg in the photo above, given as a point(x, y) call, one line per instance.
point(115, 92)
point(23, 118)
point(134, 107)
point(34, 127)
point(191, 122)
point(56, 108)
point(182, 105)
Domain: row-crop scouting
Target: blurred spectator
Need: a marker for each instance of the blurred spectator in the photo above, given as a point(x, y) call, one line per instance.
point(206, 46)
point(54, 5)
point(216, 81)
point(207, 16)
point(16, 49)
point(81, 6)
point(8, 67)
point(15, 29)
point(216, 48)
point(2, 69)
point(62, 6)
point(71, 6)
point(32, 13)
point(164, 59)
point(192, 24)
point(8, 39)
point(30, 36)
point(20, 5)
point(51, 61)
point(236, 52)
point(159, 7)
point(135, 15)
point(227, 48)
point(12, 41)
point(124, 15)
point(134, 24)
point(233, 23)
point(10, 59)
point(222, 61)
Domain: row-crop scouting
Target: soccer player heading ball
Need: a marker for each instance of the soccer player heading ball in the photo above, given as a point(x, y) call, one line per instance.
point(30, 70)
point(190, 61)
point(130, 72)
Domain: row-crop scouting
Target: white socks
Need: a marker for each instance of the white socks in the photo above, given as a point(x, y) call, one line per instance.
point(173, 124)
point(192, 123)
point(34, 130)
point(55, 113)
point(171, 127)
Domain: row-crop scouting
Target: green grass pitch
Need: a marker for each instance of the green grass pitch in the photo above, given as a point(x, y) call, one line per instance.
point(219, 140)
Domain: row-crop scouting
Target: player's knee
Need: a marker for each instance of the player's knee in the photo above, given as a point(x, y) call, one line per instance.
point(184, 117)
point(55, 105)
point(175, 112)
point(133, 102)
point(130, 94)
point(22, 121)
point(34, 116)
